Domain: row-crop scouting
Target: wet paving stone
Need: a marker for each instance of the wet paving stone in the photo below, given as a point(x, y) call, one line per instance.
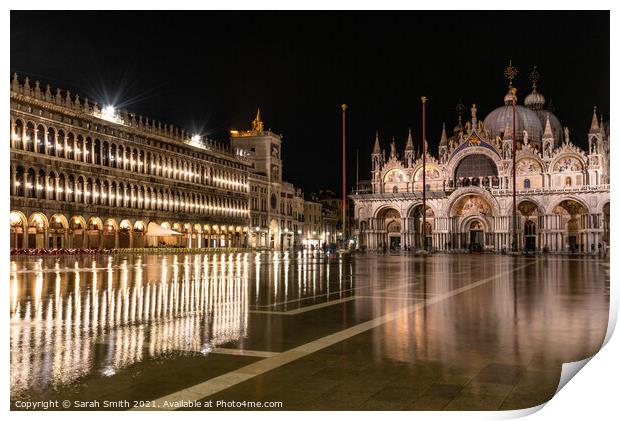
point(365, 332)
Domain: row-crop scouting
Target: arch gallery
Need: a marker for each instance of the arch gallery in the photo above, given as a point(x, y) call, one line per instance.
point(562, 190)
point(82, 177)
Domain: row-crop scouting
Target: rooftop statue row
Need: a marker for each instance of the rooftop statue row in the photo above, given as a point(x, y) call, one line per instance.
point(119, 116)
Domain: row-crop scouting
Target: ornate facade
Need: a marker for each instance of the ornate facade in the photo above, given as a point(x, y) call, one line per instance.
point(562, 191)
point(87, 177)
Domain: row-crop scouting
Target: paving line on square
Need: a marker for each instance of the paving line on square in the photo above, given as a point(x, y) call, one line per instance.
point(296, 300)
point(306, 308)
point(329, 303)
point(232, 378)
point(244, 352)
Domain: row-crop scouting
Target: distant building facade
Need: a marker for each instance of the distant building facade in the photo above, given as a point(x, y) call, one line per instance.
point(313, 226)
point(562, 191)
point(274, 210)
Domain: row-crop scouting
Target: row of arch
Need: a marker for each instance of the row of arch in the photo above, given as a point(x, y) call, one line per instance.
point(57, 143)
point(567, 225)
point(478, 169)
point(58, 186)
point(39, 230)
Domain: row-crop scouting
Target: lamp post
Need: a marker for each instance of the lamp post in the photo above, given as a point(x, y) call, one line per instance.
point(424, 99)
point(344, 174)
point(514, 170)
point(511, 73)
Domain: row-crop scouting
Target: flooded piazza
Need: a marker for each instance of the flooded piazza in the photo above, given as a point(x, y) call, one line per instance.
point(395, 331)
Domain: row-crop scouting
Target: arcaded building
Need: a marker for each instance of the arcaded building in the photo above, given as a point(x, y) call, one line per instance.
point(562, 190)
point(91, 177)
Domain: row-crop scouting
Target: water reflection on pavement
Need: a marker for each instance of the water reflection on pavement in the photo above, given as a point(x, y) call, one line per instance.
point(76, 320)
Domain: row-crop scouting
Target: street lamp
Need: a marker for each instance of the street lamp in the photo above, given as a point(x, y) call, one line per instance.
point(108, 113)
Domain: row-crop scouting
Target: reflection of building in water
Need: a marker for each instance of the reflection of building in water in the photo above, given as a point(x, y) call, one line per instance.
point(294, 280)
point(562, 190)
point(518, 321)
point(60, 330)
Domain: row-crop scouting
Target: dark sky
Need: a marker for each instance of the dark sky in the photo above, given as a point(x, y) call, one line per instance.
point(209, 71)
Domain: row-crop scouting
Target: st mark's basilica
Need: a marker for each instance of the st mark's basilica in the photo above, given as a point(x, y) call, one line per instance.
point(562, 190)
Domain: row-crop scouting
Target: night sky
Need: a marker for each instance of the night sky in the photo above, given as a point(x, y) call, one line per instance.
point(209, 71)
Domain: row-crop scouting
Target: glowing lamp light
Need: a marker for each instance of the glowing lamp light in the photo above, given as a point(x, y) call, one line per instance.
point(108, 113)
point(196, 138)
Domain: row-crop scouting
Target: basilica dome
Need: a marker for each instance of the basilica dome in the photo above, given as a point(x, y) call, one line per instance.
point(535, 100)
point(500, 119)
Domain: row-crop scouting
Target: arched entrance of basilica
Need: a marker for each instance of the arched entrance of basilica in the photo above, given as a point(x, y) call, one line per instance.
point(388, 229)
point(476, 235)
point(418, 237)
point(471, 215)
point(574, 224)
point(530, 217)
point(393, 233)
point(529, 230)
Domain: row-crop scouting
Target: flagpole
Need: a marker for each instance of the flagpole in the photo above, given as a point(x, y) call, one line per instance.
point(357, 168)
point(514, 170)
point(423, 172)
point(344, 175)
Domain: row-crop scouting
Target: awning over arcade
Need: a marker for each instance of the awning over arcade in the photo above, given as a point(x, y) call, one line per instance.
point(155, 230)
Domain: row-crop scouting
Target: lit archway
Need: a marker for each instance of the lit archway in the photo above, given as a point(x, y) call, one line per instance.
point(110, 239)
point(420, 238)
point(572, 223)
point(19, 230)
point(77, 231)
point(139, 229)
point(125, 234)
point(37, 229)
point(530, 213)
point(58, 231)
point(389, 226)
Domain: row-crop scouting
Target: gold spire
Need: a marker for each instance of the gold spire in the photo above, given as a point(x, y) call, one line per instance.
point(257, 124)
point(510, 73)
point(534, 78)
